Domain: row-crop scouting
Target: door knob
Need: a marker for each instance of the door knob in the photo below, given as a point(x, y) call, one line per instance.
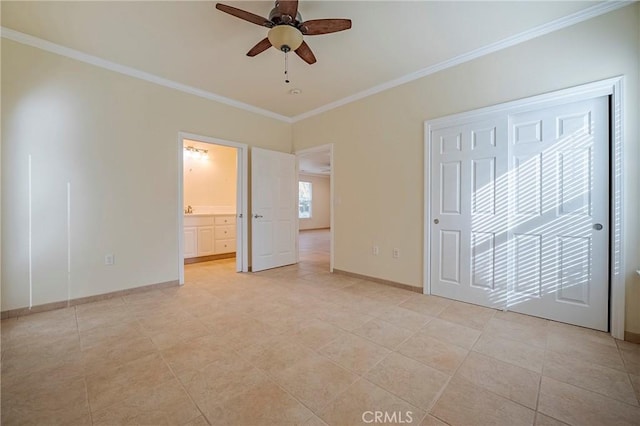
point(436, 221)
point(597, 226)
point(256, 216)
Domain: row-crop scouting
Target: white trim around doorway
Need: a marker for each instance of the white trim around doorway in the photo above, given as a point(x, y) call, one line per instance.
point(611, 87)
point(242, 255)
point(321, 148)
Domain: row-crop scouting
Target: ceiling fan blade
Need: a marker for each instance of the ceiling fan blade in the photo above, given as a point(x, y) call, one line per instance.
point(324, 26)
point(287, 8)
point(262, 45)
point(242, 14)
point(304, 51)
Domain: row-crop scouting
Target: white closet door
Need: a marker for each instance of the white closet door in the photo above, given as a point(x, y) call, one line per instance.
point(519, 212)
point(275, 213)
point(468, 237)
point(559, 213)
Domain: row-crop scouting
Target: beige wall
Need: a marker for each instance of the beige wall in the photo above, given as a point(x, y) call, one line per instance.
point(320, 202)
point(115, 139)
point(211, 181)
point(379, 141)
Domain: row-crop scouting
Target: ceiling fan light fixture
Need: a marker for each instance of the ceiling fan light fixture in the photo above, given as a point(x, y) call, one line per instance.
point(287, 29)
point(285, 37)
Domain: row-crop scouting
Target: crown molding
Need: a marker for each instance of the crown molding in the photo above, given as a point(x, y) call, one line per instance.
point(48, 46)
point(555, 25)
point(540, 30)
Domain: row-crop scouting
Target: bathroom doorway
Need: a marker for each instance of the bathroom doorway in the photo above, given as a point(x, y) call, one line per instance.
point(212, 199)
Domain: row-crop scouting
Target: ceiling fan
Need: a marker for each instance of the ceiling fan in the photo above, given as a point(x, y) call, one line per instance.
point(287, 29)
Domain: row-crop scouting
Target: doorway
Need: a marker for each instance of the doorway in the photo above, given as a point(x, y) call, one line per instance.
point(212, 200)
point(521, 207)
point(315, 207)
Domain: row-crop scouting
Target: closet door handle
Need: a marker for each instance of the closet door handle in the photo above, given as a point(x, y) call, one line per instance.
point(256, 216)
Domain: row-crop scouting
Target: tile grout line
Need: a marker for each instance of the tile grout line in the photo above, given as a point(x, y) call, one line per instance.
point(435, 401)
point(275, 382)
point(175, 376)
point(391, 351)
point(624, 363)
point(84, 372)
point(539, 393)
point(120, 365)
point(299, 304)
point(439, 394)
point(488, 390)
point(326, 358)
point(592, 390)
point(394, 349)
point(431, 404)
point(548, 350)
point(535, 410)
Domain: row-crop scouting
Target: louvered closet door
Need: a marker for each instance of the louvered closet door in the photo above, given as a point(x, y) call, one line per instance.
point(468, 230)
point(559, 213)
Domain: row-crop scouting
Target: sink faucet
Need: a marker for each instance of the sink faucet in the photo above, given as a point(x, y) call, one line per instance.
point(188, 210)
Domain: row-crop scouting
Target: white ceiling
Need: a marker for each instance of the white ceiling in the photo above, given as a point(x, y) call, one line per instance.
point(315, 162)
point(194, 44)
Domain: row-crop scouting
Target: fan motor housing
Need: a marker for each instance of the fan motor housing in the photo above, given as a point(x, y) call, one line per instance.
point(276, 18)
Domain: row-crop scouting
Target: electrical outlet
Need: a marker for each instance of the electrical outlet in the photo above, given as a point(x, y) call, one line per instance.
point(109, 259)
point(396, 253)
point(375, 250)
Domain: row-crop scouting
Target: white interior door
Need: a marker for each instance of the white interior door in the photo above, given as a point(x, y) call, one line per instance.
point(274, 218)
point(559, 213)
point(519, 212)
point(468, 212)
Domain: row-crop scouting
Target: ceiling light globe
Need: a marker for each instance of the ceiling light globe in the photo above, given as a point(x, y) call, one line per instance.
point(285, 37)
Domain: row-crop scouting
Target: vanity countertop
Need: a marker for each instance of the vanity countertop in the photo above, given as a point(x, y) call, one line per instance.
point(208, 214)
point(197, 210)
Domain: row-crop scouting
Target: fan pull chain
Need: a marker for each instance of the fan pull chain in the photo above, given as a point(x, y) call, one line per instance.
point(286, 66)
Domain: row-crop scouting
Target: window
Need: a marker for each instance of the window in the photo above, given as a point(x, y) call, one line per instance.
point(304, 200)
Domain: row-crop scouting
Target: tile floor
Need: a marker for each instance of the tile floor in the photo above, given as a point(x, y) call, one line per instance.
point(297, 345)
